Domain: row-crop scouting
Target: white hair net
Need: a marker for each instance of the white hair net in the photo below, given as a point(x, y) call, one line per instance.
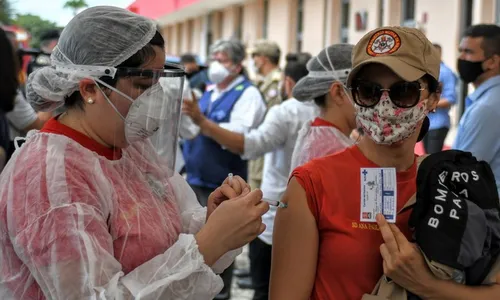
point(332, 64)
point(99, 36)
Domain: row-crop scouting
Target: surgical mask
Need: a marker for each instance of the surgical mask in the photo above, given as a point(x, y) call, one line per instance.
point(469, 70)
point(143, 118)
point(385, 123)
point(217, 72)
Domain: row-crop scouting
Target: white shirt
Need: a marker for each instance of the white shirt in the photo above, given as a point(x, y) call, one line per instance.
point(21, 116)
point(187, 130)
point(276, 138)
point(248, 112)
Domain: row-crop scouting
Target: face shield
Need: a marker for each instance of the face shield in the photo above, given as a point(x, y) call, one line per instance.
point(145, 108)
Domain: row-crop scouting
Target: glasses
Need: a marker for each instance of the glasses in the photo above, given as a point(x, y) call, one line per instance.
point(403, 94)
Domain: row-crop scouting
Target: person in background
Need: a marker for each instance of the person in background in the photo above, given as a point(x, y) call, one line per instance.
point(23, 117)
point(233, 103)
point(197, 75)
point(275, 139)
point(265, 57)
point(440, 119)
point(325, 83)
point(48, 41)
point(479, 64)
point(9, 85)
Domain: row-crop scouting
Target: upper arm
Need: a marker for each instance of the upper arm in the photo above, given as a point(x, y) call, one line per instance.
point(477, 135)
point(248, 112)
point(449, 88)
point(188, 130)
point(23, 116)
point(295, 247)
point(272, 133)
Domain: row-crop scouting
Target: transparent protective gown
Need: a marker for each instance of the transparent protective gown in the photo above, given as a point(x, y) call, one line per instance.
point(77, 225)
point(318, 141)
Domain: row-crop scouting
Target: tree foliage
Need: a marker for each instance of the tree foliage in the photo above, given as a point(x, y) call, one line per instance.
point(6, 12)
point(35, 25)
point(75, 5)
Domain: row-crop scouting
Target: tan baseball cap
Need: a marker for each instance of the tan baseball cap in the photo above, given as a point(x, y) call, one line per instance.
point(266, 48)
point(406, 51)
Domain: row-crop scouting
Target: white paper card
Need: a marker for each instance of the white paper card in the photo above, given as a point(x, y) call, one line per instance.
point(378, 194)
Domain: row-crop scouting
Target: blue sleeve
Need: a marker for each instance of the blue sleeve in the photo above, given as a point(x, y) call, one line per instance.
point(449, 81)
point(476, 135)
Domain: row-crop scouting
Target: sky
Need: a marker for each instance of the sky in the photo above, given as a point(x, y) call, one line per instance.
point(53, 10)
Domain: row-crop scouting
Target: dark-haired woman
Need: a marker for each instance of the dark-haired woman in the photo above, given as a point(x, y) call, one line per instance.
point(88, 210)
point(8, 90)
point(329, 132)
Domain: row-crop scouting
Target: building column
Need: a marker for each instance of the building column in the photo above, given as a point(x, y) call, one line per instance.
point(314, 26)
point(196, 35)
point(392, 13)
point(186, 32)
point(229, 21)
point(252, 22)
point(483, 11)
point(216, 25)
point(282, 26)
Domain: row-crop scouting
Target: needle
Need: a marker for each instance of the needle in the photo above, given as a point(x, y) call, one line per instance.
point(271, 202)
point(276, 203)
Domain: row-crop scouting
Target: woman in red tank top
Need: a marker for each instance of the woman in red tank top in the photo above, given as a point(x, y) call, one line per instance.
point(325, 245)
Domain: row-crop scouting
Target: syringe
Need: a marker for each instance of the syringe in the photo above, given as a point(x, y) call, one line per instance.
point(271, 202)
point(276, 203)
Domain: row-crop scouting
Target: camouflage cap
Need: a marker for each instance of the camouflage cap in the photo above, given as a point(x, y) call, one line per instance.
point(266, 48)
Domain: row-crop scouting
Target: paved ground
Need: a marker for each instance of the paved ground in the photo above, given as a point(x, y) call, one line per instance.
point(237, 293)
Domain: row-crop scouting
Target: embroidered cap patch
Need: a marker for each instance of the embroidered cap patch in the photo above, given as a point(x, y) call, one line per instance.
point(383, 42)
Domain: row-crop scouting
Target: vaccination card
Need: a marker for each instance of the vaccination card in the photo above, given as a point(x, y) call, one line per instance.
point(378, 194)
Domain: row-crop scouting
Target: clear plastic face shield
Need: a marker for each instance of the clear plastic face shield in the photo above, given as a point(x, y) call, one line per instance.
point(143, 109)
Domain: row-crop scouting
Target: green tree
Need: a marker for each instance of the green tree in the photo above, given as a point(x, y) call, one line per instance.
point(5, 12)
point(75, 5)
point(35, 25)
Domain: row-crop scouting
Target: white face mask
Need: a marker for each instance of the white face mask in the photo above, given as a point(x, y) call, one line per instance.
point(217, 72)
point(388, 124)
point(144, 116)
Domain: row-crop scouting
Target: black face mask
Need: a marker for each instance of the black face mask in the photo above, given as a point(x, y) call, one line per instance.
point(469, 70)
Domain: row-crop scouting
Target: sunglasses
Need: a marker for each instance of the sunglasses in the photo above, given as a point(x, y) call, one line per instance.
point(403, 94)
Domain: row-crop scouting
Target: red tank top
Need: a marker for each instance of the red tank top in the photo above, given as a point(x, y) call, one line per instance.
point(349, 262)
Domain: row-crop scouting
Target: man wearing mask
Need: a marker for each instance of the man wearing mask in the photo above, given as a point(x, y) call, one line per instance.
point(234, 104)
point(196, 75)
point(479, 64)
point(440, 119)
point(265, 57)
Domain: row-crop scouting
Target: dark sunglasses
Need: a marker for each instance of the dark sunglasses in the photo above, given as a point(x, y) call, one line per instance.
point(403, 94)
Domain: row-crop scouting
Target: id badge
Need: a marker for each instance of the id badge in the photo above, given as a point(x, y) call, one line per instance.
point(378, 194)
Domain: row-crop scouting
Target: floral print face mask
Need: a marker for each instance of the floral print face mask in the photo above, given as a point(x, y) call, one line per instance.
point(385, 123)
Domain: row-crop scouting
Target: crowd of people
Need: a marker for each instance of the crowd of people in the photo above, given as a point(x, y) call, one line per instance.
point(126, 176)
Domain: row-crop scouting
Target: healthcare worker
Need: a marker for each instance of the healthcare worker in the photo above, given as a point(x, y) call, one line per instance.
point(329, 132)
point(88, 209)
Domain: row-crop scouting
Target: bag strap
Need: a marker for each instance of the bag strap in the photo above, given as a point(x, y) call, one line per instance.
point(413, 198)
